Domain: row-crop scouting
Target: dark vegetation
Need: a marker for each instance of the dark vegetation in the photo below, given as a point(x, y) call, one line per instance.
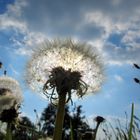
point(75, 127)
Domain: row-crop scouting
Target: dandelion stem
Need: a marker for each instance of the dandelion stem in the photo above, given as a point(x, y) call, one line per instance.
point(96, 129)
point(71, 128)
point(59, 118)
point(8, 132)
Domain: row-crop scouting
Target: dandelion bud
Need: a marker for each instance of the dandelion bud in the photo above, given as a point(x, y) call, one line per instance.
point(99, 119)
point(5, 72)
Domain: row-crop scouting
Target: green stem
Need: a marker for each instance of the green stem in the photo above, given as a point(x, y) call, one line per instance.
point(131, 122)
point(71, 128)
point(59, 117)
point(8, 132)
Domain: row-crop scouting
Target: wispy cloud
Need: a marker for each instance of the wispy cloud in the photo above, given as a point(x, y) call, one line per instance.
point(23, 51)
point(118, 78)
point(91, 21)
point(13, 70)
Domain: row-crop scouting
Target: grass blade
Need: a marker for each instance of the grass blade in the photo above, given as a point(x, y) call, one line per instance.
point(131, 122)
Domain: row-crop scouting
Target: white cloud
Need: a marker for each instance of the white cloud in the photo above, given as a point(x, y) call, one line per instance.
point(7, 22)
point(22, 37)
point(121, 55)
point(118, 78)
point(78, 21)
point(100, 19)
point(34, 38)
point(23, 51)
point(16, 8)
point(12, 17)
point(118, 23)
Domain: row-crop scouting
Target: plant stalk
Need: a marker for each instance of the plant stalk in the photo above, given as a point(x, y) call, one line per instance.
point(131, 122)
point(8, 132)
point(59, 118)
point(95, 133)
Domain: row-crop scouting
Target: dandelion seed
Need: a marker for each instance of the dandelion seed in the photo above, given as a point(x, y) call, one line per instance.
point(68, 55)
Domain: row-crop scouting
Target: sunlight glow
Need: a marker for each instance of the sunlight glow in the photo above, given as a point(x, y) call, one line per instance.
point(69, 55)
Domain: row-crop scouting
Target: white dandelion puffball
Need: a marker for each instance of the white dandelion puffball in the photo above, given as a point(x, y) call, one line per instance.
point(10, 93)
point(69, 55)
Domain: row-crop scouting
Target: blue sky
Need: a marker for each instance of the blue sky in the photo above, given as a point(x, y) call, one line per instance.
point(111, 26)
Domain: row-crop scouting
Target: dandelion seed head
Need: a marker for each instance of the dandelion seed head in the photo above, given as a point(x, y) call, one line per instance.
point(69, 55)
point(10, 93)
